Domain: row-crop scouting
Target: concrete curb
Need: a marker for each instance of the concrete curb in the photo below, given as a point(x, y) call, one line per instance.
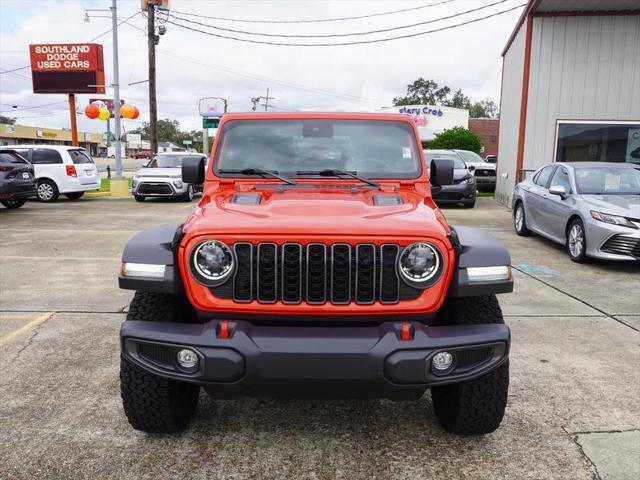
point(97, 194)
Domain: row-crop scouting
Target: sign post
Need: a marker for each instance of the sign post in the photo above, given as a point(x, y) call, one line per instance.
point(74, 124)
point(211, 114)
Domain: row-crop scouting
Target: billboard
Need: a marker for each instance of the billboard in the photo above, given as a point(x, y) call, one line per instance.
point(67, 68)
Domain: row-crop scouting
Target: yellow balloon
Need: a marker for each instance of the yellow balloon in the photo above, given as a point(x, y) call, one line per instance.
point(104, 113)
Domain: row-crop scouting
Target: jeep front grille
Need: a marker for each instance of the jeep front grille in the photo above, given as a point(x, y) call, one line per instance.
point(316, 273)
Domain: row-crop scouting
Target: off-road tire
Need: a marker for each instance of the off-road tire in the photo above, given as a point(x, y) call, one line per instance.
point(153, 403)
point(475, 407)
point(13, 203)
point(139, 198)
point(521, 230)
point(74, 195)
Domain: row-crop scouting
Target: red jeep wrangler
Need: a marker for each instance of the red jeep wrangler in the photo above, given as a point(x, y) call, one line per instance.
point(317, 265)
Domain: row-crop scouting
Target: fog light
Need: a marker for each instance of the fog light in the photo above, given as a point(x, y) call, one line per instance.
point(178, 183)
point(187, 358)
point(441, 362)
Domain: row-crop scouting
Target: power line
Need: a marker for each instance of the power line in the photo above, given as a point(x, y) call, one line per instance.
point(340, 19)
point(31, 107)
point(14, 70)
point(360, 42)
point(334, 35)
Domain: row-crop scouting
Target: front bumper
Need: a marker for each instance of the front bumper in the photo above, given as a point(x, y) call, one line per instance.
point(460, 192)
point(612, 242)
point(364, 362)
point(158, 187)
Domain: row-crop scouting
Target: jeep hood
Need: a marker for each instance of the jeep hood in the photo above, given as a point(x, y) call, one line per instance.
point(318, 212)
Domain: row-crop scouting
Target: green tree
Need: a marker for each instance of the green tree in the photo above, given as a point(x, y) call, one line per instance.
point(486, 108)
point(7, 120)
point(459, 100)
point(168, 130)
point(423, 92)
point(457, 137)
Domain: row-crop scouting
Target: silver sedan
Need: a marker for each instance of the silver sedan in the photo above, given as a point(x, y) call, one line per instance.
point(593, 208)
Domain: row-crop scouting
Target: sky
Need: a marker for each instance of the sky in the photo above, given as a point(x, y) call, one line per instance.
point(193, 65)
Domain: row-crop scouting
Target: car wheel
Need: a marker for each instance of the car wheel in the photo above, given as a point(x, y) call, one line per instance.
point(188, 196)
point(577, 241)
point(470, 204)
point(47, 191)
point(13, 202)
point(520, 221)
point(477, 406)
point(139, 198)
point(74, 195)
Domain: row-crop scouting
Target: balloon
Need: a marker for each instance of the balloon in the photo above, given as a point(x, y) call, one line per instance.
point(92, 111)
point(104, 113)
point(136, 113)
point(126, 111)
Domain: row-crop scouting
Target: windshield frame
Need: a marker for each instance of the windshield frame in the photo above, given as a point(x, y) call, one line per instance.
point(603, 168)
point(233, 123)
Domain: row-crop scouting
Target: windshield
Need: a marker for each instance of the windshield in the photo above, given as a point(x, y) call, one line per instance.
point(378, 149)
point(608, 180)
point(80, 156)
point(458, 164)
point(470, 156)
point(167, 161)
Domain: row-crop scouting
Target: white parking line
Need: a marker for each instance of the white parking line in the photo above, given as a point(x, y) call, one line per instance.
point(17, 257)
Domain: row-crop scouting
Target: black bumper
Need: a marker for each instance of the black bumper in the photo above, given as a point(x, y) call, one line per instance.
point(365, 362)
point(17, 189)
point(461, 192)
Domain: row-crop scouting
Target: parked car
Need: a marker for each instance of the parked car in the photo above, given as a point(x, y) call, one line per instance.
point(593, 208)
point(142, 154)
point(61, 169)
point(315, 265)
point(463, 189)
point(162, 177)
point(17, 179)
point(491, 159)
point(484, 172)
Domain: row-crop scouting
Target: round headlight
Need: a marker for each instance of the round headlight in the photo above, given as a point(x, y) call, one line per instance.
point(419, 263)
point(213, 261)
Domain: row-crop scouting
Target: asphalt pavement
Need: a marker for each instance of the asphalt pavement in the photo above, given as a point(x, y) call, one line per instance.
point(573, 409)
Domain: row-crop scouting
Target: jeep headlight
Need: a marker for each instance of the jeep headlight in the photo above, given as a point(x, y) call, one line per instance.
point(420, 264)
point(213, 262)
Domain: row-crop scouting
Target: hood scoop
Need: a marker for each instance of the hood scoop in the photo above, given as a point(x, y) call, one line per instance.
point(246, 198)
point(387, 200)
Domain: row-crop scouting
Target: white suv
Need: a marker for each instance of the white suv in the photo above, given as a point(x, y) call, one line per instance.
point(61, 169)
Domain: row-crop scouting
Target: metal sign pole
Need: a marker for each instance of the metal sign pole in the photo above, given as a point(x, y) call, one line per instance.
point(116, 87)
point(74, 124)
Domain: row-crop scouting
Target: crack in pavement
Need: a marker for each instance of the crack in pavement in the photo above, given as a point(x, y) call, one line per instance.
point(34, 334)
point(574, 437)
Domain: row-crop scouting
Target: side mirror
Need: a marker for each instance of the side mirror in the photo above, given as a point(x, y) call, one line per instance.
point(471, 168)
point(558, 190)
point(145, 164)
point(441, 172)
point(193, 170)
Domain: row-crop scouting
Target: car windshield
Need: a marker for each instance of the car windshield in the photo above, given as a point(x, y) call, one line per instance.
point(167, 161)
point(469, 156)
point(608, 180)
point(458, 164)
point(374, 149)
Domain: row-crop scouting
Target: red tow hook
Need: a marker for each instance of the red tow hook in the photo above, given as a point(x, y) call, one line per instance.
point(406, 332)
point(223, 329)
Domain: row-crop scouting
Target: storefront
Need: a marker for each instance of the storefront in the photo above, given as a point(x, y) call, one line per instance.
point(22, 134)
point(570, 88)
point(432, 119)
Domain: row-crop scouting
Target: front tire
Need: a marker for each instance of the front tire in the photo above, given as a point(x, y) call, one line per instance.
point(153, 403)
point(520, 221)
point(139, 198)
point(13, 202)
point(470, 204)
point(577, 242)
point(477, 406)
point(188, 196)
point(47, 191)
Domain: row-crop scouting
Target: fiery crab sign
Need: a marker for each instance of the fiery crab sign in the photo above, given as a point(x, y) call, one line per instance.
point(67, 68)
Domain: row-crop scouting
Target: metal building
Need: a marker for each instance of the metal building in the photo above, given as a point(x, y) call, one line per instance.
point(570, 87)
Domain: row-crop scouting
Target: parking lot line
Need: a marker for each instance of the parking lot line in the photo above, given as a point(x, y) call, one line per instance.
point(32, 324)
point(21, 257)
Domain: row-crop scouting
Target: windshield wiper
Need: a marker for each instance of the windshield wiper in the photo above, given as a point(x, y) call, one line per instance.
point(332, 172)
point(258, 171)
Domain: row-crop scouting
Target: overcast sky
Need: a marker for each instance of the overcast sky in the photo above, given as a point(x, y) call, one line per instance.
point(191, 65)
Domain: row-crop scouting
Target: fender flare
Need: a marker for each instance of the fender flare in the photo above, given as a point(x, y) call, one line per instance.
point(158, 246)
point(476, 247)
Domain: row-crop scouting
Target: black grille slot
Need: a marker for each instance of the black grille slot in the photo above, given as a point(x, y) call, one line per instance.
point(267, 283)
point(472, 357)
point(316, 273)
point(160, 355)
point(155, 189)
point(389, 281)
point(292, 273)
point(621, 245)
point(243, 281)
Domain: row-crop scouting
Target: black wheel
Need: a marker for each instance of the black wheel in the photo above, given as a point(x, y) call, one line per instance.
point(470, 204)
point(74, 195)
point(188, 196)
point(13, 202)
point(520, 221)
point(47, 191)
point(139, 198)
point(477, 406)
point(153, 403)
point(577, 241)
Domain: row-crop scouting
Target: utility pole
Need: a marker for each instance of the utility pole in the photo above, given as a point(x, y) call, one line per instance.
point(116, 87)
point(153, 105)
point(266, 101)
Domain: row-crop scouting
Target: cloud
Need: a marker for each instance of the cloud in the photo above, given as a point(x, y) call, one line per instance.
point(192, 65)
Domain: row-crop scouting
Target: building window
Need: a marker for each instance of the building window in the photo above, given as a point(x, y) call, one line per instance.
point(582, 141)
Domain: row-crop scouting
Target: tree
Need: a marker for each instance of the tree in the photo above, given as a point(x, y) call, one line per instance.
point(459, 100)
point(424, 92)
point(7, 120)
point(457, 137)
point(168, 130)
point(486, 108)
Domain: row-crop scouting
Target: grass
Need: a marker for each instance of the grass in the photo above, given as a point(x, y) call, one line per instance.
point(105, 184)
point(485, 194)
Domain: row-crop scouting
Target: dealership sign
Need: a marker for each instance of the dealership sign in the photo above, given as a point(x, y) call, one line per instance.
point(431, 119)
point(67, 68)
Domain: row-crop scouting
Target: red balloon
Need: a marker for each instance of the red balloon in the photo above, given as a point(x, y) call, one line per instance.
point(135, 114)
point(92, 111)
